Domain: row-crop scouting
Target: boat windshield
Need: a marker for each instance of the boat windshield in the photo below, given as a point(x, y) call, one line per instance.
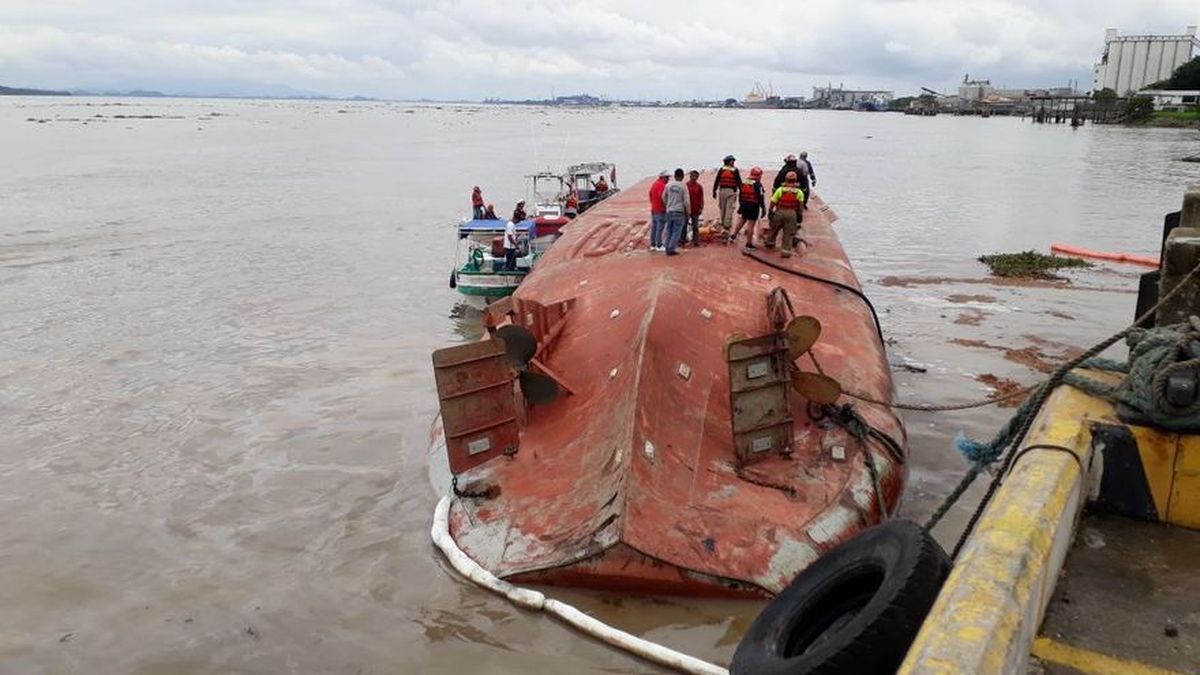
point(548, 194)
point(585, 177)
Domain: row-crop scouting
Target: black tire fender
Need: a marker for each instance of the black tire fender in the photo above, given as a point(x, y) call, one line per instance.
point(855, 610)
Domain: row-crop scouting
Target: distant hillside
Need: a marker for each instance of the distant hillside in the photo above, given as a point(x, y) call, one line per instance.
point(17, 91)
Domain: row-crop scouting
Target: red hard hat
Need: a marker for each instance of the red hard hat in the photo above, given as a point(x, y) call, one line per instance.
point(755, 172)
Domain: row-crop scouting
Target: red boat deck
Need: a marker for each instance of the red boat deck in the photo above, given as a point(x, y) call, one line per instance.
point(631, 481)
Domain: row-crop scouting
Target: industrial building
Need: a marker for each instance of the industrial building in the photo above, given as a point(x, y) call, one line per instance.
point(1174, 99)
point(840, 98)
point(1130, 62)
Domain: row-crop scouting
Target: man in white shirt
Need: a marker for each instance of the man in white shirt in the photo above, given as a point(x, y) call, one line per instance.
point(510, 246)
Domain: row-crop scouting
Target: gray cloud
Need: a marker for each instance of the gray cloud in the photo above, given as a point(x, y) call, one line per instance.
point(520, 48)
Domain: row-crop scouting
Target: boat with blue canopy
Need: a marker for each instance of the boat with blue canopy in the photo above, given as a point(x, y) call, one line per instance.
point(479, 269)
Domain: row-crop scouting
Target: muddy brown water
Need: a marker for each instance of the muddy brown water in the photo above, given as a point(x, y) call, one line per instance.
point(215, 389)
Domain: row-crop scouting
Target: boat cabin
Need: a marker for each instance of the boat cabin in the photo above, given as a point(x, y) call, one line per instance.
point(592, 182)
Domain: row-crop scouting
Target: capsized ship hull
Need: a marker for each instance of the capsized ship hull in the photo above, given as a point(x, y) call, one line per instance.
point(629, 479)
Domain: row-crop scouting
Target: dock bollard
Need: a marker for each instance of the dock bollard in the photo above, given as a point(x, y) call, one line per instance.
point(1180, 255)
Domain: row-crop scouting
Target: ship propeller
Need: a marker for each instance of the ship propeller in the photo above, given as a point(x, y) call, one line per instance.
point(537, 388)
point(802, 333)
point(816, 387)
point(521, 346)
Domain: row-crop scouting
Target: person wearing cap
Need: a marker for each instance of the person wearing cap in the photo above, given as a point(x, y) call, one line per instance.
point(812, 173)
point(658, 212)
point(678, 206)
point(725, 190)
point(696, 201)
point(477, 203)
point(510, 246)
point(519, 212)
point(793, 165)
point(786, 205)
point(752, 205)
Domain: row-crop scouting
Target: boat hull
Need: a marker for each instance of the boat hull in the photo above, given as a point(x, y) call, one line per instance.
point(630, 481)
point(488, 284)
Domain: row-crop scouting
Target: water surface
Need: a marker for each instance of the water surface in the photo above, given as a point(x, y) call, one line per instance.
point(215, 389)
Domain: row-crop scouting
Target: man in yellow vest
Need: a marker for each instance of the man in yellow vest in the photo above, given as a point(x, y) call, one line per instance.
point(786, 205)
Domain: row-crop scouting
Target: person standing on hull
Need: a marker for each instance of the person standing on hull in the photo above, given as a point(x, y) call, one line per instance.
point(696, 202)
point(658, 212)
point(812, 176)
point(752, 205)
point(793, 165)
point(519, 212)
point(477, 203)
point(725, 190)
point(677, 203)
point(786, 205)
point(510, 246)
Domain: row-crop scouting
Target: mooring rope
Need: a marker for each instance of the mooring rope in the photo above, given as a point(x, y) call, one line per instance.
point(1013, 433)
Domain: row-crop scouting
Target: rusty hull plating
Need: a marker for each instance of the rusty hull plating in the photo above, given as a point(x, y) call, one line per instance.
point(630, 482)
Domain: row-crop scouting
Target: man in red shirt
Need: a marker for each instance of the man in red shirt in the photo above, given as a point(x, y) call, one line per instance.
point(476, 203)
point(696, 195)
point(658, 213)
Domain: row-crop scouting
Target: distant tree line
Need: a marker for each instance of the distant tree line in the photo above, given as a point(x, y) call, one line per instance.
point(18, 91)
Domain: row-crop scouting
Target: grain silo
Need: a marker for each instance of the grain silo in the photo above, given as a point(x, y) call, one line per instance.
point(1130, 62)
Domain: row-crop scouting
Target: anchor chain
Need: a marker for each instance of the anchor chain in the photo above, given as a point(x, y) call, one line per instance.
point(468, 494)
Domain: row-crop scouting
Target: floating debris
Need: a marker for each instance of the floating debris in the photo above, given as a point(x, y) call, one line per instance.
point(1029, 264)
point(970, 316)
point(1002, 386)
point(1031, 356)
point(1014, 282)
point(962, 298)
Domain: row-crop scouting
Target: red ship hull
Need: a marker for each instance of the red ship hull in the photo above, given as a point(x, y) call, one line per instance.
point(630, 481)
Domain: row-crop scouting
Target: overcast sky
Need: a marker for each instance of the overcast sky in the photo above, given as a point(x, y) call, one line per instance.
point(472, 49)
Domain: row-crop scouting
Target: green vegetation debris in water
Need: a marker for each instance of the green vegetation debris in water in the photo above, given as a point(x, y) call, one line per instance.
point(1029, 264)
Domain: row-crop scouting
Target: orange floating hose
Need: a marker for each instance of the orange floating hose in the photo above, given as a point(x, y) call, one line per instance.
point(1130, 258)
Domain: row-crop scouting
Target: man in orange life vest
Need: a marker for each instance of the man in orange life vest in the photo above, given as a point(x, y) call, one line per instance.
point(786, 206)
point(751, 206)
point(571, 208)
point(725, 191)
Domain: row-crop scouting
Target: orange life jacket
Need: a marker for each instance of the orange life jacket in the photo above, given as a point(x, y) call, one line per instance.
point(748, 192)
point(476, 199)
point(726, 178)
point(792, 198)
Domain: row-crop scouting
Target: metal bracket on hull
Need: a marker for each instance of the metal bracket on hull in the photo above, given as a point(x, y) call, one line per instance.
point(475, 394)
point(760, 409)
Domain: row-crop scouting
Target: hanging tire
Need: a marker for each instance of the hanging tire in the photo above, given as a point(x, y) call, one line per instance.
point(855, 610)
